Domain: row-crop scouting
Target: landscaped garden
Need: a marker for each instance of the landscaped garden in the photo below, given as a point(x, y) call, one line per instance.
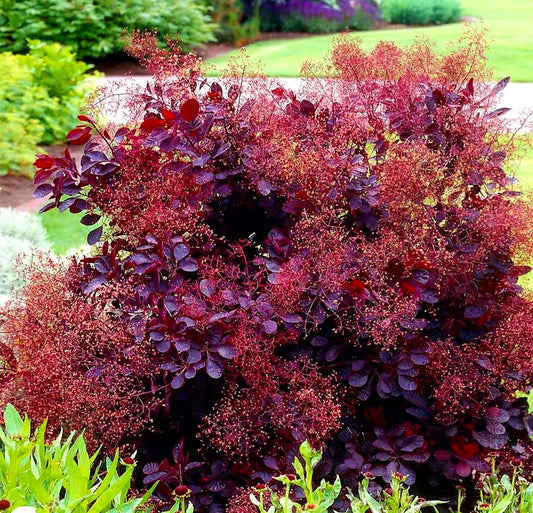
point(278, 300)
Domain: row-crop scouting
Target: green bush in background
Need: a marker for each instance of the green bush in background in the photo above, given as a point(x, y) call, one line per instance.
point(421, 12)
point(40, 95)
point(94, 28)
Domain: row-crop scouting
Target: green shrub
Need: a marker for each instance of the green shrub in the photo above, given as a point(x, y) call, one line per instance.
point(227, 14)
point(19, 233)
point(40, 95)
point(60, 476)
point(421, 12)
point(93, 28)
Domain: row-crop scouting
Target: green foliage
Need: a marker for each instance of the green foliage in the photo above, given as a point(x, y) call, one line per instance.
point(40, 95)
point(60, 476)
point(395, 499)
point(319, 499)
point(503, 493)
point(421, 12)
point(19, 232)
point(227, 15)
point(94, 28)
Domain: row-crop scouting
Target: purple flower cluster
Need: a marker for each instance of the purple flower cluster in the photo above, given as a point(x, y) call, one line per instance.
point(318, 15)
point(345, 10)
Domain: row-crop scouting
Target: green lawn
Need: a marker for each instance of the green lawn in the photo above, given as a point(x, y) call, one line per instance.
point(510, 32)
point(524, 171)
point(64, 230)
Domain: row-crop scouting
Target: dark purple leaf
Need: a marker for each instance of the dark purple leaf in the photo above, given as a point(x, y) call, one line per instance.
point(490, 440)
point(194, 356)
point(94, 284)
point(406, 383)
point(463, 469)
point(207, 288)
point(43, 190)
point(227, 351)
point(181, 251)
point(494, 427)
point(411, 443)
point(271, 462)
point(163, 346)
point(357, 380)
point(270, 327)
point(417, 457)
point(475, 311)
point(202, 160)
point(496, 113)
point(177, 381)
point(291, 318)
point(94, 236)
point(500, 86)
point(214, 369)
point(203, 178)
point(182, 345)
point(188, 265)
point(47, 207)
point(89, 219)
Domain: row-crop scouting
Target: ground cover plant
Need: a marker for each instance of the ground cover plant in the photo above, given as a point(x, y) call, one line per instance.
point(507, 23)
point(337, 265)
point(20, 232)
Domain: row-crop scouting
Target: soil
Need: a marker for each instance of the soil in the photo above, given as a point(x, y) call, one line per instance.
point(15, 191)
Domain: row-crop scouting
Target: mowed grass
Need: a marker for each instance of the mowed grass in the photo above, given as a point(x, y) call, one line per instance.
point(508, 22)
point(64, 230)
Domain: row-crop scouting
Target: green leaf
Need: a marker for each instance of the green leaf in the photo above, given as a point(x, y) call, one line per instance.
point(13, 421)
point(106, 498)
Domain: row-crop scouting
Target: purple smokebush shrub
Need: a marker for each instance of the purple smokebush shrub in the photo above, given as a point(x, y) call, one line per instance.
point(338, 265)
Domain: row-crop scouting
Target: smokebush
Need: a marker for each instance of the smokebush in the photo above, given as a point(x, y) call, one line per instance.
point(337, 264)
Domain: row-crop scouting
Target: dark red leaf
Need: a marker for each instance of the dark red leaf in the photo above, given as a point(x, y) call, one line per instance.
point(87, 119)
point(79, 135)
point(168, 115)
point(44, 161)
point(189, 110)
point(280, 92)
point(307, 108)
point(152, 123)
